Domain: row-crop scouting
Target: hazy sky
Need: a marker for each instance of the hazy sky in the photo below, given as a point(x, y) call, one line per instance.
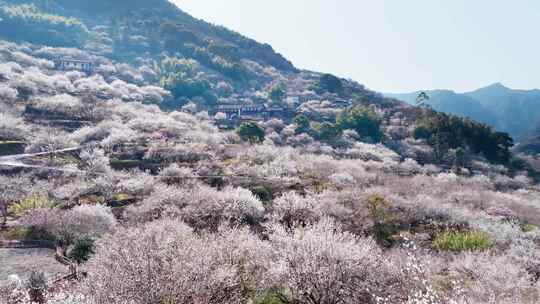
point(394, 45)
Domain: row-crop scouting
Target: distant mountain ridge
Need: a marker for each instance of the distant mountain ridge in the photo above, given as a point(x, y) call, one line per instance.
point(514, 111)
point(530, 143)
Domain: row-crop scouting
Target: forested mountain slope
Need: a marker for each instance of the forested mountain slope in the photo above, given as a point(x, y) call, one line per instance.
point(453, 103)
point(531, 141)
point(517, 111)
point(127, 28)
point(193, 59)
point(505, 109)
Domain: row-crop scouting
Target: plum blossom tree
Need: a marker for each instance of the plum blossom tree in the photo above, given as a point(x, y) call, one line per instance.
point(12, 127)
point(200, 206)
point(8, 94)
point(293, 210)
point(7, 71)
point(320, 264)
point(210, 208)
point(94, 162)
point(48, 141)
point(495, 279)
point(67, 105)
point(67, 226)
point(28, 60)
point(137, 184)
point(174, 174)
point(165, 262)
point(12, 189)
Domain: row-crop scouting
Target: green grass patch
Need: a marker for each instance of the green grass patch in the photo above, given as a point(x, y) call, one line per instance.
point(120, 197)
point(18, 233)
point(91, 199)
point(31, 203)
point(268, 299)
point(528, 227)
point(458, 241)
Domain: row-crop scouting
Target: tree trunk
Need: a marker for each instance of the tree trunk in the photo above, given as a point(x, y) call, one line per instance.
point(3, 209)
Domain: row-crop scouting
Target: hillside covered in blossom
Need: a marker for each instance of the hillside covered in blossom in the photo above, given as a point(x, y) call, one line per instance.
point(149, 157)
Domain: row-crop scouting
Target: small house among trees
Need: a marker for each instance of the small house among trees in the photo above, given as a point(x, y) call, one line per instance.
point(250, 112)
point(341, 104)
point(240, 109)
point(74, 65)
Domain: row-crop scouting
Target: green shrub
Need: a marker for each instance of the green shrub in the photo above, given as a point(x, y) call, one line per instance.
point(303, 124)
point(384, 223)
point(180, 86)
point(277, 93)
point(82, 250)
point(233, 70)
point(528, 227)
point(30, 203)
point(268, 298)
point(250, 131)
point(262, 192)
point(459, 241)
point(328, 132)
point(329, 83)
point(421, 132)
point(121, 197)
point(182, 77)
point(16, 233)
point(365, 121)
point(26, 233)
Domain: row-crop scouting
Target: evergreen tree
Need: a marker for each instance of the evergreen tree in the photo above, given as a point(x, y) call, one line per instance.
point(330, 83)
point(277, 94)
point(363, 120)
point(328, 132)
point(302, 124)
point(250, 131)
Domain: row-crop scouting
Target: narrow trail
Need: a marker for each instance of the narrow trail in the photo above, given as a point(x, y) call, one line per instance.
point(15, 161)
point(8, 158)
